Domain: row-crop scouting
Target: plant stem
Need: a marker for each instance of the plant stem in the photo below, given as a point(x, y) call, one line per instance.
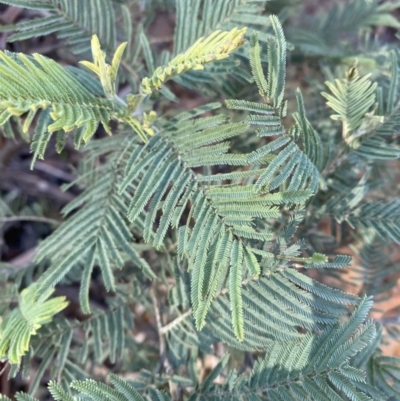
point(38, 219)
point(175, 322)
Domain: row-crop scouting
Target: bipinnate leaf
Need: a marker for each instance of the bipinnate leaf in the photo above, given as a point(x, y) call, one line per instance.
point(24, 322)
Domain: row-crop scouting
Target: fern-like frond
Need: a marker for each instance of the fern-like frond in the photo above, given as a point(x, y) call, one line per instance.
point(322, 34)
point(348, 204)
point(105, 335)
point(383, 374)
point(35, 4)
point(75, 21)
point(317, 367)
point(292, 166)
point(215, 221)
point(12, 129)
point(39, 83)
point(205, 16)
point(22, 323)
point(197, 18)
point(217, 46)
point(272, 87)
point(274, 305)
point(96, 391)
point(217, 235)
point(97, 234)
point(289, 370)
point(311, 141)
point(352, 98)
point(296, 163)
point(384, 218)
point(376, 145)
point(183, 340)
point(276, 301)
point(375, 270)
point(381, 380)
point(376, 148)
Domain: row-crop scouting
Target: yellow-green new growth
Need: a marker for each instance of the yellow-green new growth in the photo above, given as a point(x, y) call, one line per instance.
point(107, 73)
point(217, 46)
point(23, 322)
point(31, 84)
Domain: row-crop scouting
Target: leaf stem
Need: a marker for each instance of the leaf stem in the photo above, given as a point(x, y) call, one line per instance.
point(38, 219)
point(175, 322)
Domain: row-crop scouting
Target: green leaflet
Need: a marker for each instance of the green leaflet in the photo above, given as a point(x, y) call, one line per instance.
point(235, 284)
point(69, 103)
point(23, 322)
point(71, 20)
point(351, 99)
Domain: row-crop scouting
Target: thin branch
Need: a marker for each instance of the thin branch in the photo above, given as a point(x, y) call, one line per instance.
point(38, 219)
point(162, 343)
point(164, 362)
point(172, 247)
point(175, 322)
point(7, 365)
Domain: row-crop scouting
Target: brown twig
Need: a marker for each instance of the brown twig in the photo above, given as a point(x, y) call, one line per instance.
point(4, 383)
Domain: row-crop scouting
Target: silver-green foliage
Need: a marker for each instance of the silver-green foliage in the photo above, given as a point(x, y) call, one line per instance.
point(218, 235)
point(219, 213)
point(98, 234)
point(75, 21)
point(323, 32)
point(318, 368)
point(204, 17)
